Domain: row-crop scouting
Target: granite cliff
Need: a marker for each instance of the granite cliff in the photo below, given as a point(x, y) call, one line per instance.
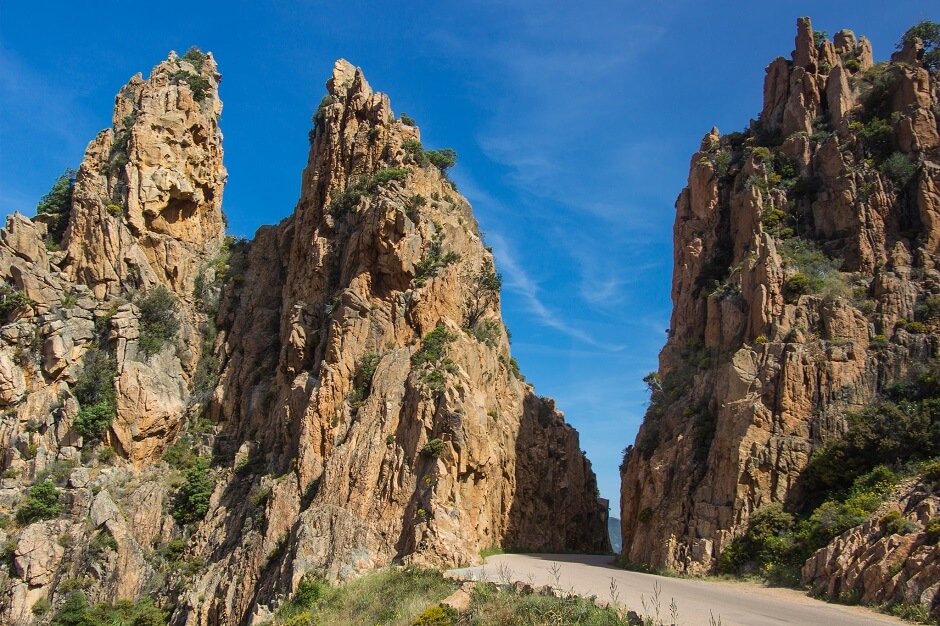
point(805, 278)
point(206, 421)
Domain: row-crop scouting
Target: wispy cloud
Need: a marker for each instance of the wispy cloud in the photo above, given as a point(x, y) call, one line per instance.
point(558, 75)
point(518, 281)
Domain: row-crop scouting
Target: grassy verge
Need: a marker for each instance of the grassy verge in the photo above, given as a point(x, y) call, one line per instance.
point(395, 597)
point(411, 597)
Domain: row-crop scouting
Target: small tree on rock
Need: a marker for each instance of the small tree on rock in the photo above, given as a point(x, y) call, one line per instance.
point(482, 291)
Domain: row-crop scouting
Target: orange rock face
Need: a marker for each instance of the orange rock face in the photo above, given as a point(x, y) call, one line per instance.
point(345, 375)
point(797, 253)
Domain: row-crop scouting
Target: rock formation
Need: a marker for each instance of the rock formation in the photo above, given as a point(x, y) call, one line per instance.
point(805, 249)
point(874, 563)
point(334, 396)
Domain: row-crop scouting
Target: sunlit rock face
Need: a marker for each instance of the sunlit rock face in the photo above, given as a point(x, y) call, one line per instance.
point(334, 396)
point(761, 365)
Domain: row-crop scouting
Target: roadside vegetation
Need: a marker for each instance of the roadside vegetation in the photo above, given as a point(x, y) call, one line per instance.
point(847, 481)
point(411, 597)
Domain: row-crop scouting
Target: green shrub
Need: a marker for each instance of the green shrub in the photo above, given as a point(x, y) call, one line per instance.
point(57, 206)
point(722, 164)
point(805, 187)
point(311, 593)
point(915, 328)
point(42, 502)
point(182, 454)
point(798, 284)
point(899, 169)
point(483, 289)
point(94, 390)
point(514, 369)
point(878, 136)
point(703, 434)
point(198, 85)
point(103, 541)
point(911, 612)
point(77, 612)
point(649, 437)
point(413, 208)
point(95, 382)
point(94, 420)
point(933, 531)
point(816, 271)
point(768, 544)
point(488, 332)
point(889, 433)
point(394, 596)
point(891, 522)
point(367, 365)
point(320, 114)
point(762, 153)
point(838, 515)
point(853, 65)
point(442, 159)
point(407, 120)
point(929, 33)
point(436, 616)
point(195, 56)
point(41, 606)
point(931, 473)
point(433, 448)
point(74, 612)
point(415, 150)
point(434, 260)
point(385, 176)
point(192, 499)
point(159, 320)
point(13, 300)
point(645, 516)
point(819, 37)
point(433, 346)
point(930, 309)
point(345, 201)
point(363, 386)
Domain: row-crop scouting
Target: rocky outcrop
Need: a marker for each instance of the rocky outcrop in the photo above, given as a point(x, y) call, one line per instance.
point(891, 558)
point(147, 206)
point(334, 396)
point(800, 258)
point(368, 380)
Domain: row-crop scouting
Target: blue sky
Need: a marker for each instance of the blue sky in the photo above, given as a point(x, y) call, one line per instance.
point(575, 124)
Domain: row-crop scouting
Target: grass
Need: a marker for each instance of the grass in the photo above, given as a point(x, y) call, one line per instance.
point(411, 596)
point(486, 553)
point(642, 568)
point(395, 597)
point(500, 605)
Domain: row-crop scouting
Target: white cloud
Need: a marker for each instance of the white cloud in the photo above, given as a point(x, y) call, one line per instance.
point(518, 281)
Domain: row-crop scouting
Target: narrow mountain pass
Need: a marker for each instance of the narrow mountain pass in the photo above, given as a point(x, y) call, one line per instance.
point(696, 601)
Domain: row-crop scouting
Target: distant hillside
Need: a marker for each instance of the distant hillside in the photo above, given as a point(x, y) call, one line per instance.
point(613, 530)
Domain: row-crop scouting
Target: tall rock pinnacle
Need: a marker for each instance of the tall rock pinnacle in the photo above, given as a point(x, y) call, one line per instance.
point(334, 396)
point(803, 247)
point(367, 366)
point(148, 196)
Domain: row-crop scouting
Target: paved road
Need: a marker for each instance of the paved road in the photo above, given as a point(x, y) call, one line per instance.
point(735, 603)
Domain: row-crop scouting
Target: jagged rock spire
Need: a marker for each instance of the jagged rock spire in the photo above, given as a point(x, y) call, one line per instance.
point(148, 196)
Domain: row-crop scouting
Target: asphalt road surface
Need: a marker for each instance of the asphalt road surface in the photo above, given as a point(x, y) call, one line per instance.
point(697, 601)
